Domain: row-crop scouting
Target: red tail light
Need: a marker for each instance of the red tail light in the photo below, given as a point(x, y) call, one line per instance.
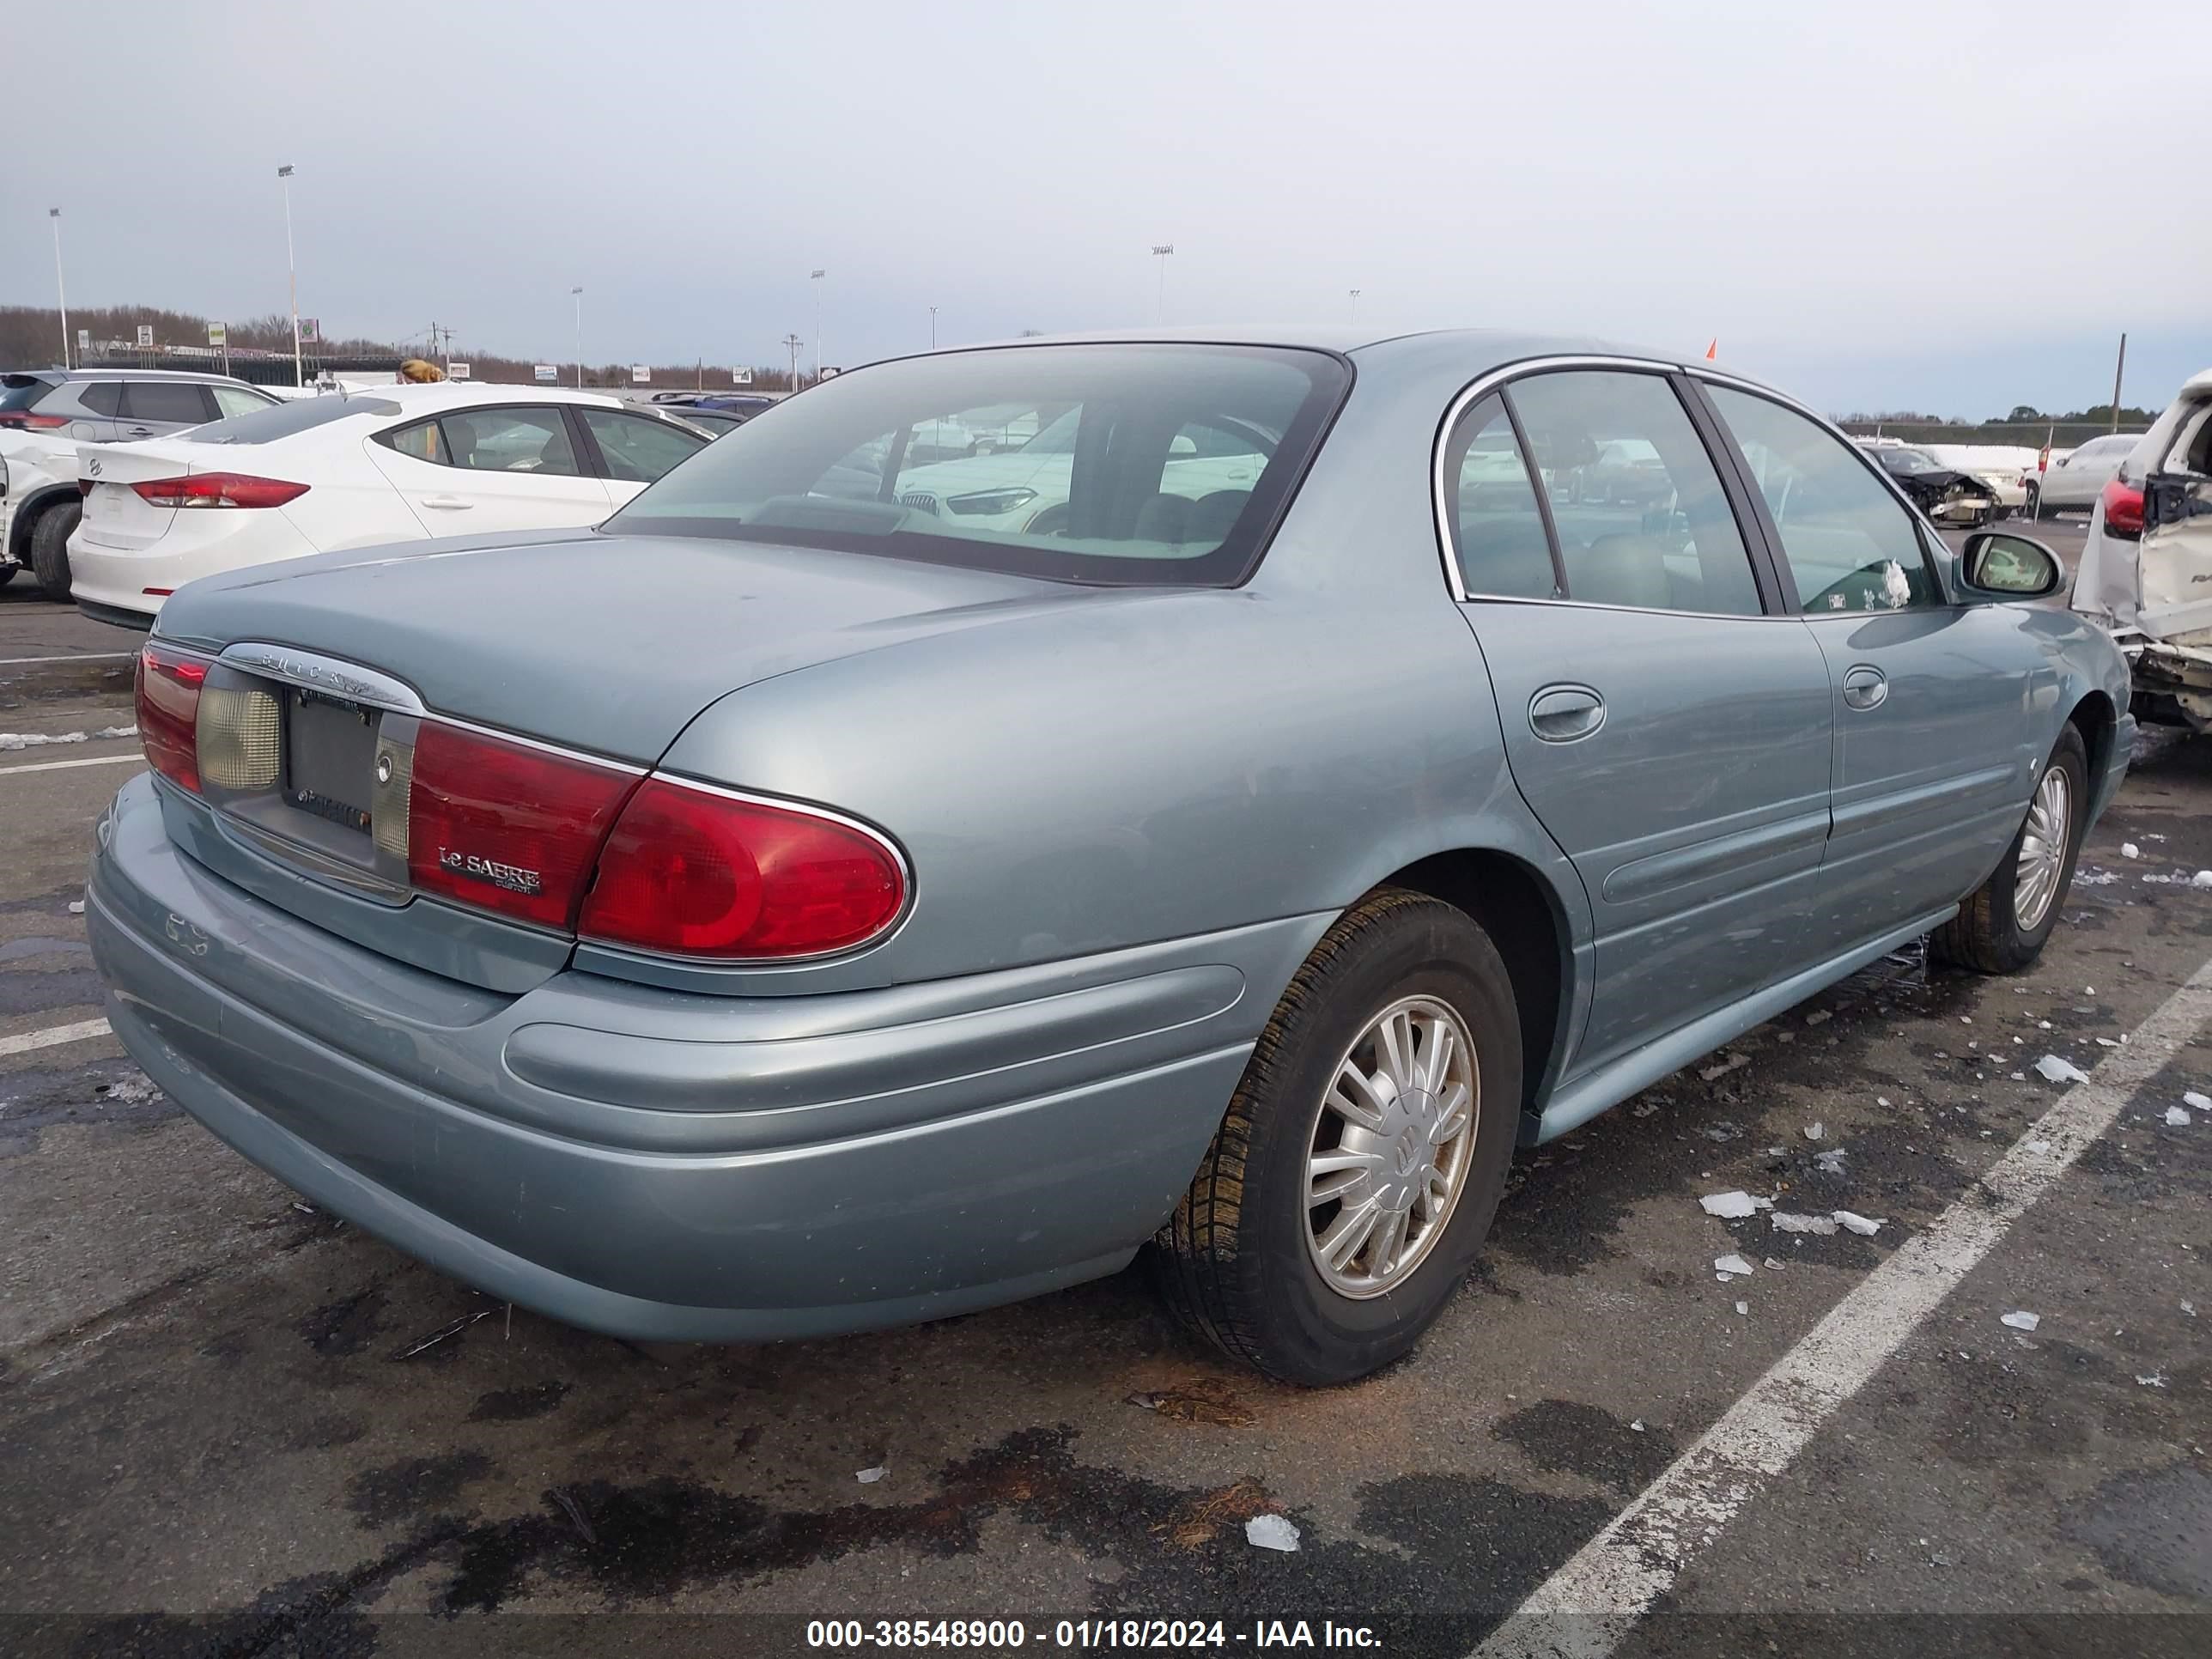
point(2123, 509)
point(695, 871)
point(506, 827)
point(168, 712)
point(219, 490)
point(36, 422)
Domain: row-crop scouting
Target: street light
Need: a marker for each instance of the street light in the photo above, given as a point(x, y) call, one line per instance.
point(1355, 305)
point(815, 278)
point(932, 328)
point(577, 293)
point(793, 342)
point(1160, 252)
point(291, 266)
point(60, 293)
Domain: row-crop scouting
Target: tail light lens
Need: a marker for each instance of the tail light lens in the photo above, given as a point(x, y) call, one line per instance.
point(35, 422)
point(696, 873)
point(2123, 509)
point(168, 695)
point(219, 490)
point(506, 827)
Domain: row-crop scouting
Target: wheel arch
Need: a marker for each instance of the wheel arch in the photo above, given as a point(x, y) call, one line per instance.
point(2097, 721)
point(28, 512)
point(1527, 920)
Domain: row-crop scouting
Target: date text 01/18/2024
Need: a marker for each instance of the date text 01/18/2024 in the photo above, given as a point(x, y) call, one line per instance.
point(993, 1635)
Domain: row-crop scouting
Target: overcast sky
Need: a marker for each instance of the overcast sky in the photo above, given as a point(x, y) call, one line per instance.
point(1946, 204)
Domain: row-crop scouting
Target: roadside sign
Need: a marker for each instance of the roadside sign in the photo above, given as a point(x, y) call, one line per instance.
point(310, 328)
point(830, 374)
point(640, 374)
point(741, 377)
point(84, 339)
point(546, 373)
point(145, 337)
point(456, 371)
point(218, 334)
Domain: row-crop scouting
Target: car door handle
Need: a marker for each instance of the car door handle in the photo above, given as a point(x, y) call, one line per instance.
point(1564, 713)
point(447, 503)
point(1864, 688)
point(141, 431)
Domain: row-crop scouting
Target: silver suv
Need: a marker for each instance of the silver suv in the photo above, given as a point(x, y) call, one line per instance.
point(118, 405)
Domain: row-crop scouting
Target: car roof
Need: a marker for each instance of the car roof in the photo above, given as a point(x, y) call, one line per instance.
point(56, 376)
point(457, 394)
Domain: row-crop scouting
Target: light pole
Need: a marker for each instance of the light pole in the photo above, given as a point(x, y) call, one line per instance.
point(291, 266)
point(932, 328)
point(815, 278)
point(1160, 252)
point(60, 293)
point(793, 342)
point(1355, 305)
point(577, 294)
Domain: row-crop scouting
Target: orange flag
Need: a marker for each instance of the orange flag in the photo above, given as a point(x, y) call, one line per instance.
point(1713, 350)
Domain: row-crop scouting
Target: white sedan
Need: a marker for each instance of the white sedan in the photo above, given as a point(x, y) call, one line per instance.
point(397, 464)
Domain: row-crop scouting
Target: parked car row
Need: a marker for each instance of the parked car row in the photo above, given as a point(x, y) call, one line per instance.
point(44, 414)
point(871, 880)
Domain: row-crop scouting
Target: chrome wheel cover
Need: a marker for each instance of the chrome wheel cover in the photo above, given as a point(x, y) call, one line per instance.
point(2043, 848)
point(1390, 1147)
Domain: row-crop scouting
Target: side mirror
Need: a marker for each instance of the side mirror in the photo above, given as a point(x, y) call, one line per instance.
point(2003, 566)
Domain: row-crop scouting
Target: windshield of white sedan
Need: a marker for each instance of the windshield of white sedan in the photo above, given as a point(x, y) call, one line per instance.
point(1110, 464)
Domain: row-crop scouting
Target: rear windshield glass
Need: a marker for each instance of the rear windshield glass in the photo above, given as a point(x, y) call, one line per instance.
point(282, 420)
point(1107, 463)
point(21, 391)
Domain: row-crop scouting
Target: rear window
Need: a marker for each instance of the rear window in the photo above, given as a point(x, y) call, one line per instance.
point(282, 420)
point(22, 392)
point(1130, 465)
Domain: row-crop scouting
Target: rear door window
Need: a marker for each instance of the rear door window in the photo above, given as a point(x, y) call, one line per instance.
point(175, 402)
point(1652, 537)
point(534, 440)
point(101, 397)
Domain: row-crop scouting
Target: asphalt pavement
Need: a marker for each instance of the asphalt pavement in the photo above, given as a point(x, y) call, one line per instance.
point(231, 1423)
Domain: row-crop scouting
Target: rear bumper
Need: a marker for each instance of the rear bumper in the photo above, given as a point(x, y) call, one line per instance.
point(665, 1166)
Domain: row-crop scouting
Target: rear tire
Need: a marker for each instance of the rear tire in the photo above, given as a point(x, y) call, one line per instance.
point(2002, 926)
point(50, 548)
point(1240, 1261)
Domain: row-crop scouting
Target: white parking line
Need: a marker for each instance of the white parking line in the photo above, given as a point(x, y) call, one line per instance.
point(24, 1041)
point(63, 765)
point(74, 656)
point(1585, 1609)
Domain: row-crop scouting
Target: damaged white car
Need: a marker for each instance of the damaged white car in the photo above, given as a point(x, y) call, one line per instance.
point(2146, 570)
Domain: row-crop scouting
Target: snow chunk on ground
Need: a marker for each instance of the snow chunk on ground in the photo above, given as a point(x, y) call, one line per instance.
point(2022, 1322)
point(1271, 1532)
point(1859, 1224)
point(1734, 1206)
point(2052, 1069)
point(1732, 1264)
point(869, 1477)
point(2177, 1117)
point(1802, 1224)
point(2202, 1102)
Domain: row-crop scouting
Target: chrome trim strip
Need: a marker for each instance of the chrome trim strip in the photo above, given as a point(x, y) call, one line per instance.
point(626, 769)
point(332, 675)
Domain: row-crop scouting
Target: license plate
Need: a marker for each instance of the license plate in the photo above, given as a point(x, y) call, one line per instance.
point(330, 758)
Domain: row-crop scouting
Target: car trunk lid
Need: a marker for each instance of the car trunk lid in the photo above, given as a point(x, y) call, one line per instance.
point(606, 647)
point(115, 514)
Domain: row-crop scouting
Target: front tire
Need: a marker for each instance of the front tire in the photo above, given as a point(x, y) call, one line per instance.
point(2002, 926)
point(1344, 1197)
point(50, 549)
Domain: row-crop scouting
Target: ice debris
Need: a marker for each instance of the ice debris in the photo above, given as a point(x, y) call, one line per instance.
point(2022, 1322)
point(869, 1477)
point(1271, 1532)
point(1743, 1308)
point(1815, 1130)
point(1785, 1222)
point(1732, 1207)
point(2177, 1117)
point(2201, 879)
point(1727, 1266)
point(2130, 850)
point(2052, 1069)
point(1859, 1224)
point(2155, 1380)
point(2202, 1102)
